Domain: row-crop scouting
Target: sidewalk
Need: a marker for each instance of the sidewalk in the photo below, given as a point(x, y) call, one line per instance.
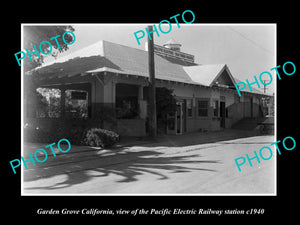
point(161, 140)
point(188, 138)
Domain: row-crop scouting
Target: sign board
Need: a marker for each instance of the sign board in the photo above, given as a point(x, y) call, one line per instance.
point(79, 95)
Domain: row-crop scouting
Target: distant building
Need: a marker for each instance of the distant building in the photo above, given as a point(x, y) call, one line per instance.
point(107, 74)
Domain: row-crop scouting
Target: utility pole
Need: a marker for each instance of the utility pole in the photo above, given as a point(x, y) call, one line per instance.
point(265, 86)
point(152, 102)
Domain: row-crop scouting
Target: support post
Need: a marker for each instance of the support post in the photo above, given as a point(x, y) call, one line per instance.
point(152, 102)
point(62, 102)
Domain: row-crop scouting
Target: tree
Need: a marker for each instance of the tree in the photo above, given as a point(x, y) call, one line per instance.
point(165, 105)
point(34, 35)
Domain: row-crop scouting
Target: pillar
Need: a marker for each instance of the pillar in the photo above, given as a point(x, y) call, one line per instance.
point(62, 101)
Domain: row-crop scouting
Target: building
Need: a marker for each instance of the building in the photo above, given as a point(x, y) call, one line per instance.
point(109, 75)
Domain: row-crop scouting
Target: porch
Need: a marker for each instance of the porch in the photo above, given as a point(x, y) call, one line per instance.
point(85, 101)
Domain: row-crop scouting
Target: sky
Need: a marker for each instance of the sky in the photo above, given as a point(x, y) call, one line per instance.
point(247, 49)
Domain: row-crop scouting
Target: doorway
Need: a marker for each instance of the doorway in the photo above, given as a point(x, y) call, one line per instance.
point(175, 123)
point(251, 107)
point(222, 114)
point(179, 116)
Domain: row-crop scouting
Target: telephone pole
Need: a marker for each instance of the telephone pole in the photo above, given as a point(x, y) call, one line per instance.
point(152, 102)
point(265, 86)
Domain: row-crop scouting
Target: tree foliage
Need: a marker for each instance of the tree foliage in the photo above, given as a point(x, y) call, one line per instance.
point(34, 35)
point(165, 104)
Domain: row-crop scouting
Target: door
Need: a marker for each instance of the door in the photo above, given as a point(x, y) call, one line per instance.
point(184, 116)
point(251, 107)
point(179, 118)
point(175, 120)
point(171, 124)
point(222, 114)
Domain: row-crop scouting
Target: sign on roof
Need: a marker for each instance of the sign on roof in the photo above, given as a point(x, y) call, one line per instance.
point(173, 54)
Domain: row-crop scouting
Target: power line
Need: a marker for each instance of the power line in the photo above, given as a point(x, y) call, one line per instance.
point(253, 42)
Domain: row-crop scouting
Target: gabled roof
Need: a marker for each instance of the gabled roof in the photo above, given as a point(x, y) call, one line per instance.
point(207, 75)
point(204, 74)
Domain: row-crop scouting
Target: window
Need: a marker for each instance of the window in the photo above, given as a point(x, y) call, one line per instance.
point(216, 108)
point(127, 106)
point(202, 107)
point(76, 104)
point(59, 101)
point(47, 104)
point(189, 107)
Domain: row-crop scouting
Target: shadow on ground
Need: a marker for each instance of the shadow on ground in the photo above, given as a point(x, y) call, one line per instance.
point(128, 165)
point(86, 163)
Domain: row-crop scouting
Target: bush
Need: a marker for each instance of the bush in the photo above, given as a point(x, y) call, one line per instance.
point(97, 137)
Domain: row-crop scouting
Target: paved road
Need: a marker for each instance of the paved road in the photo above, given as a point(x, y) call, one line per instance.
point(155, 168)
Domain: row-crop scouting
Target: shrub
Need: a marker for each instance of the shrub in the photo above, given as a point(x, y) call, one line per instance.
point(97, 137)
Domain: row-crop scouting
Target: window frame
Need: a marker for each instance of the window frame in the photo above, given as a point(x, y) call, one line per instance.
point(216, 106)
point(87, 87)
point(191, 109)
point(49, 113)
point(207, 109)
point(70, 114)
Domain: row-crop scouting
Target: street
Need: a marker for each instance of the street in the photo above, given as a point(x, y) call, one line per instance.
point(170, 166)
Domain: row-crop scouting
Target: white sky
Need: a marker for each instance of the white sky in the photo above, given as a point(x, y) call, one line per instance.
point(247, 49)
